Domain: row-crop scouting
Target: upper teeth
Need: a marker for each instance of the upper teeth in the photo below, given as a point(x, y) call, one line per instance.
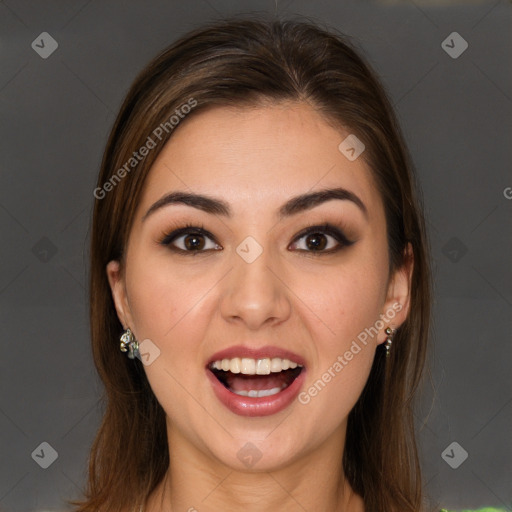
point(248, 366)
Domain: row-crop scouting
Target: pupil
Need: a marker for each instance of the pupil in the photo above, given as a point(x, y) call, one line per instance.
point(194, 242)
point(316, 242)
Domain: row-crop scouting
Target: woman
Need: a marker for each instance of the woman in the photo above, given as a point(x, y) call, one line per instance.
point(259, 246)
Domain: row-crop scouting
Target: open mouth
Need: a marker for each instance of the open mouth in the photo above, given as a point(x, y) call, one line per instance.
point(255, 378)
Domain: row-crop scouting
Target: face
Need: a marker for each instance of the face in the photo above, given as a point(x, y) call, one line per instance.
point(260, 313)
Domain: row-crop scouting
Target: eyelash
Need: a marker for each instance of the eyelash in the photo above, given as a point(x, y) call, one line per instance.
point(326, 229)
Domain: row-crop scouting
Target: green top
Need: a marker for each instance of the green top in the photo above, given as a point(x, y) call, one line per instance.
point(485, 509)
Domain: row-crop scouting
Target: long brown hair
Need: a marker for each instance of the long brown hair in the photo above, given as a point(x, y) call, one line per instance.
point(246, 62)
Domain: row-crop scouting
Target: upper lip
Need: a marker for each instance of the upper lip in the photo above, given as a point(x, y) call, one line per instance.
point(256, 353)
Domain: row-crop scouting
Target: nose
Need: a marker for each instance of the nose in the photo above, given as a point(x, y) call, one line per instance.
point(255, 294)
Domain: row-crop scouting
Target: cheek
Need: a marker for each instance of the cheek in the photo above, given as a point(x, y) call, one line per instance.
point(345, 302)
point(172, 309)
point(165, 302)
point(348, 304)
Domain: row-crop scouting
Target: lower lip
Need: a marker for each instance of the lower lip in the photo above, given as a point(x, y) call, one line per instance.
point(258, 406)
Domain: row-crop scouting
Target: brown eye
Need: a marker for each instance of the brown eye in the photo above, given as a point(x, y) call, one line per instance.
point(321, 239)
point(192, 242)
point(190, 239)
point(316, 241)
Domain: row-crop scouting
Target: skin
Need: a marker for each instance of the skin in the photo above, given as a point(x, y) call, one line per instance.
point(311, 303)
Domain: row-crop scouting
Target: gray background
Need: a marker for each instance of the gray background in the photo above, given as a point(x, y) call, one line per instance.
point(56, 114)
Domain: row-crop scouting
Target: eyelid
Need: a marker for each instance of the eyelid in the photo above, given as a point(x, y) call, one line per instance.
point(325, 228)
point(167, 240)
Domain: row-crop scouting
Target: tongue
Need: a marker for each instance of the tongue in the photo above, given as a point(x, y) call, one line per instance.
point(239, 382)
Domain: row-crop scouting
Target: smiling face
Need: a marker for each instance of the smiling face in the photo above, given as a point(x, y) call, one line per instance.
point(249, 288)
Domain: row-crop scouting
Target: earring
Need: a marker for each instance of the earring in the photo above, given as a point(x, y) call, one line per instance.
point(389, 340)
point(129, 344)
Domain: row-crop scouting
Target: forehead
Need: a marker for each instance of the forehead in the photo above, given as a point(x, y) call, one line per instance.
point(257, 156)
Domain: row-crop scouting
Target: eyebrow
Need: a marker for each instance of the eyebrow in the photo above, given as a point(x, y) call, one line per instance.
point(293, 206)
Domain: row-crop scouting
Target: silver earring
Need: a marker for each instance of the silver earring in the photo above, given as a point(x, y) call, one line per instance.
point(129, 344)
point(389, 340)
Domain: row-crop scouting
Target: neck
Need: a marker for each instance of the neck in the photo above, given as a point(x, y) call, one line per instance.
point(195, 482)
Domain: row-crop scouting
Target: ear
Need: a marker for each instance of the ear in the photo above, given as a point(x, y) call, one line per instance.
point(397, 304)
point(118, 289)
